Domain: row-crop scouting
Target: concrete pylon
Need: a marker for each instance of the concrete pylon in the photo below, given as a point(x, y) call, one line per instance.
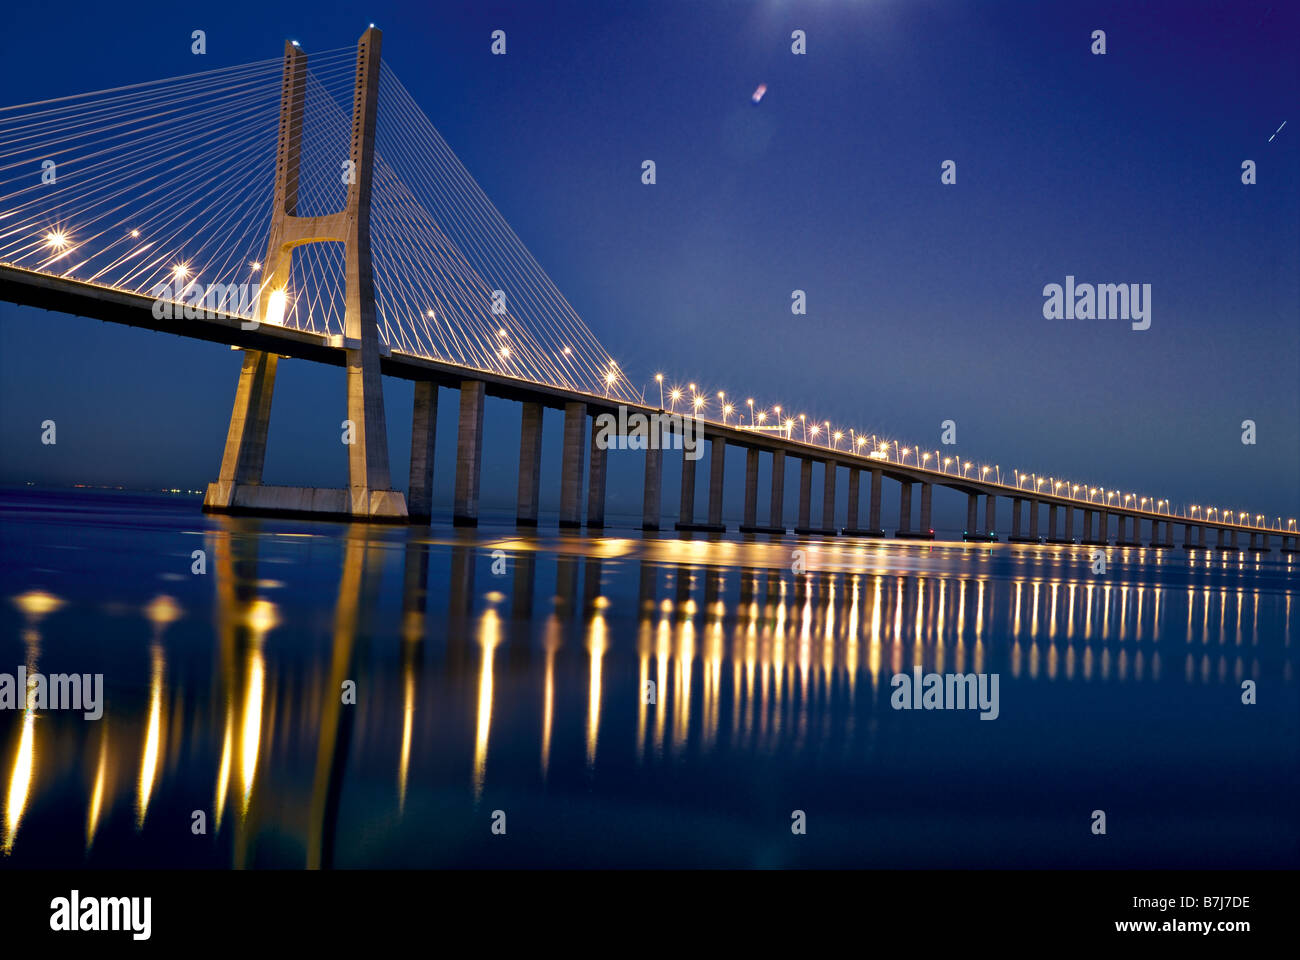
point(369, 495)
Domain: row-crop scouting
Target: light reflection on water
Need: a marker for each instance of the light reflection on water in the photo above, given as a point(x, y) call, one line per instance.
point(369, 696)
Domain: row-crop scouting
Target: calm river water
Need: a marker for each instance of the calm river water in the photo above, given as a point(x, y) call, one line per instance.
point(371, 696)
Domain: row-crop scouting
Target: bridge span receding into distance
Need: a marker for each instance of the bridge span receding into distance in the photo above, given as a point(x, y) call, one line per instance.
point(582, 462)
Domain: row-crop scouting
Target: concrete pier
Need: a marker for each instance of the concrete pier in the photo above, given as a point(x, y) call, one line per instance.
point(854, 522)
point(717, 464)
point(990, 517)
point(652, 499)
point(1069, 524)
point(572, 461)
point(927, 494)
point(1017, 505)
point(804, 525)
point(1228, 540)
point(686, 511)
point(776, 510)
point(1033, 520)
point(904, 510)
point(530, 465)
point(469, 454)
point(874, 529)
point(828, 501)
point(596, 481)
point(972, 515)
point(424, 430)
point(750, 519)
point(1052, 516)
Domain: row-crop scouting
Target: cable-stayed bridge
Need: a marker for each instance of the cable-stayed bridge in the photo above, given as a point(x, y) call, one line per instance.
point(306, 207)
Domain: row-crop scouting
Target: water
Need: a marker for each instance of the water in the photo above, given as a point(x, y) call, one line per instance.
point(521, 690)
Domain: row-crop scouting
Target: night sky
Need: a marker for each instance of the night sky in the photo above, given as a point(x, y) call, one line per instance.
point(924, 300)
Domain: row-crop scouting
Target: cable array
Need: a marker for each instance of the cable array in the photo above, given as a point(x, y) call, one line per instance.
point(165, 189)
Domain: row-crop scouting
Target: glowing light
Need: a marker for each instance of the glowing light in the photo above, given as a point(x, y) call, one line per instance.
point(761, 89)
point(501, 332)
point(56, 240)
point(256, 266)
point(275, 305)
point(567, 351)
point(429, 314)
point(181, 271)
point(135, 233)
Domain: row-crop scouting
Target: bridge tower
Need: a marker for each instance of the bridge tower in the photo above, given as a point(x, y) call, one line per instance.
point(239, 487)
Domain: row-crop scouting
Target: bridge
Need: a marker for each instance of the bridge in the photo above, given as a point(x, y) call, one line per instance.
point(369, 246)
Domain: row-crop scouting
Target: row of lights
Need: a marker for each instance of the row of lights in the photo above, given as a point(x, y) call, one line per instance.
point(879, 450)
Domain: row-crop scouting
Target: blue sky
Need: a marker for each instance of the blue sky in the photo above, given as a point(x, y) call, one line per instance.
point(924, 300)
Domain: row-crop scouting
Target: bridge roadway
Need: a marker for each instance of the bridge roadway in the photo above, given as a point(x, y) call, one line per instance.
point(65, 295)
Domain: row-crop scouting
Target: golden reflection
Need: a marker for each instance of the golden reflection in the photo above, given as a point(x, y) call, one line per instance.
point(489, 637)
point(596, 646)
point(97, 790)
point(153, 735)
point(35, 605)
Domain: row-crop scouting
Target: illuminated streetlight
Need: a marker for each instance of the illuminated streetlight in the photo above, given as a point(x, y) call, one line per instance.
point(659, 379)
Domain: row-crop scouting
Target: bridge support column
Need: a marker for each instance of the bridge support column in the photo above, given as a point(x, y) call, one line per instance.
point(686, 513)
point(927, 530)
point(776, 510)
point(854, 521)
point(1052, 512)
point(1103, 527)
point(991, 516)
point(750, 520)
point(1169, 533)
point(1121, 538)
point(717, 464)
point(572, 461)
point(828, 500)
point(805, 497)
point(1189, 536)
point(530, 465)
point(1033, 520)
point(469, 453)
point(245, 452)
point(904, 510)
point(1069, 524)
point(972, 515)
point(424, 430)
point(1016, 509)
point(652, 500)
point(874, 529)
point(1200, 537)
point(596, 481)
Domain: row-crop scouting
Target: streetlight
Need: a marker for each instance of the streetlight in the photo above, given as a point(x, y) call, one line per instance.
point(659, 379)
point(674, 396)
point(726, 412)
point(839, 435)
point(750, 401)
point(803, 422)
